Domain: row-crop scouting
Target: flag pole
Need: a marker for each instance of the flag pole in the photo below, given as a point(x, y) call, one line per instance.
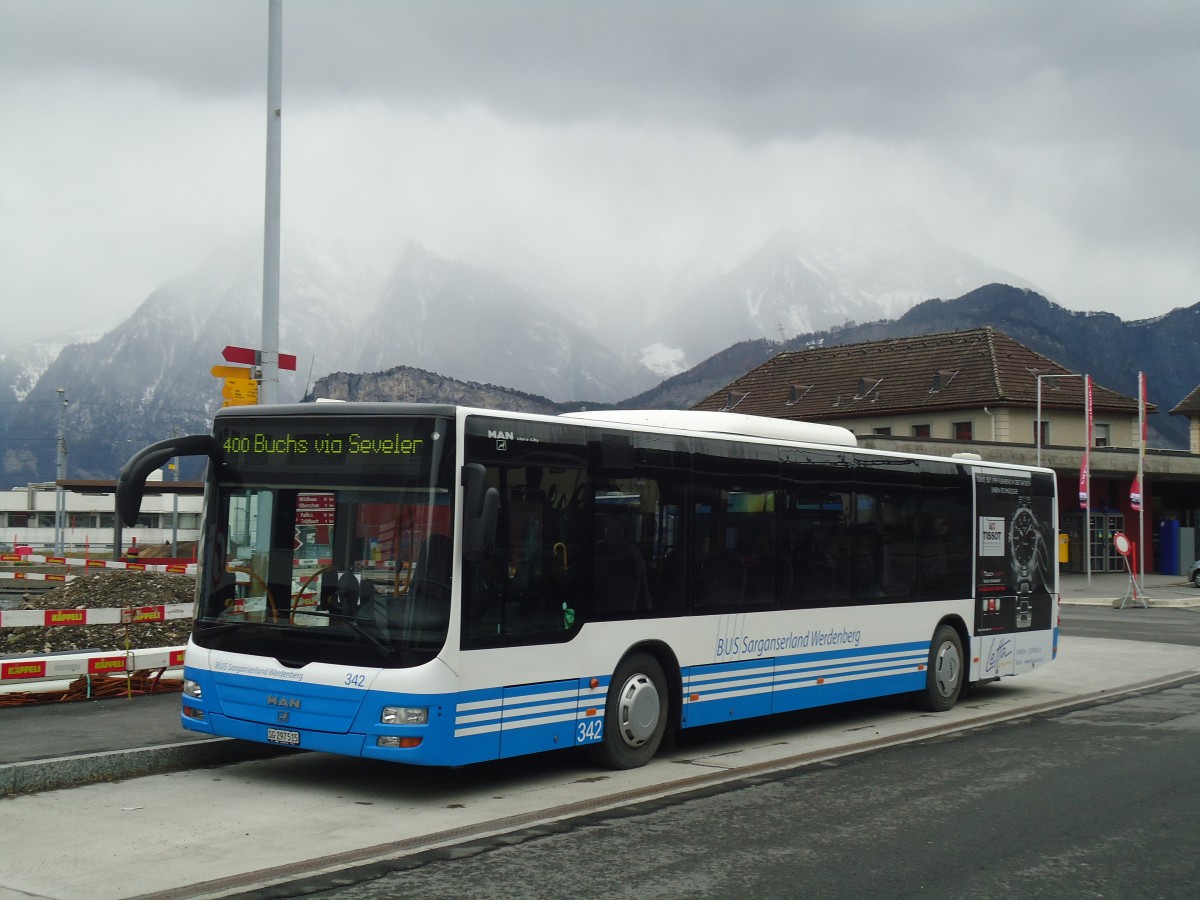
point(1142, 481)
point(1085, 475)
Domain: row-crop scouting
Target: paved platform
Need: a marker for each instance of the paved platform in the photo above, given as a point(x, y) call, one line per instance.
point(1108, 588)
point(58, 745)
point(265, 823)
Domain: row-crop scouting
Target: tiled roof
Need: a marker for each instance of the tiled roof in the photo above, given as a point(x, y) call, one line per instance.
point(1189, 405)
point(934, 372)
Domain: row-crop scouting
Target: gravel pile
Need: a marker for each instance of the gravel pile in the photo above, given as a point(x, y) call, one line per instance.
point(115, 589)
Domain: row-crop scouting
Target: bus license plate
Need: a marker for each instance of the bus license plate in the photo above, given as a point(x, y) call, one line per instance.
point(283, 736)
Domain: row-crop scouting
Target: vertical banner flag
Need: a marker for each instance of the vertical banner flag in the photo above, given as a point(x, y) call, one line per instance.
point(1135, 490)
point(1084, 500)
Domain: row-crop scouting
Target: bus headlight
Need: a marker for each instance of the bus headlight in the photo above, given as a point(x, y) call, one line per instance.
point(404, 715)
point(192, 689)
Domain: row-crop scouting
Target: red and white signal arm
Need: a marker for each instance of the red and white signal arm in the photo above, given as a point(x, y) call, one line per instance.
point(1122, 543)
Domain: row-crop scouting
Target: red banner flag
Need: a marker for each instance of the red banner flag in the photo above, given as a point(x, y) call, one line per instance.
point(1135, 490)
point(1084, 477)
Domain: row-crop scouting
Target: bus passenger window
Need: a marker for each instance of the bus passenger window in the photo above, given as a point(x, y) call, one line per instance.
point(529, 590)
point(620, 584)
point(639, 564)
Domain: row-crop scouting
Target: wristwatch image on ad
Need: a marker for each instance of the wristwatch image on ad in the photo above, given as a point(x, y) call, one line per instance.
point(1024, 548)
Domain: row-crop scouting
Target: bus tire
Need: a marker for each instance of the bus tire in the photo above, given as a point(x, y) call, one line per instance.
point(945, 673)
point(635, 714)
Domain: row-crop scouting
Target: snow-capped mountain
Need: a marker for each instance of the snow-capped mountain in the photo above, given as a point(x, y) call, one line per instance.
point(150, 375)
point(811, 279)
point(343, 313)
point(469, 323)
point(23, 365)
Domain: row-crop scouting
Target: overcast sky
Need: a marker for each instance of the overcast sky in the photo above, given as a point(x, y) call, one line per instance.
point(619, 141)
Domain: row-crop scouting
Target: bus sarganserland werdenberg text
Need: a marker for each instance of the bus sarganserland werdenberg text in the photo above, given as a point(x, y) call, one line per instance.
point(438, 585)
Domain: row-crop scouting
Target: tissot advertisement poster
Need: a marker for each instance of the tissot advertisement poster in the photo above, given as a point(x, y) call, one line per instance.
point(1015, 559)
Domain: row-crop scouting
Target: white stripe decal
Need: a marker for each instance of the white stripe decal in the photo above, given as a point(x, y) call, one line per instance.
point(530, 723)
point(796, 677)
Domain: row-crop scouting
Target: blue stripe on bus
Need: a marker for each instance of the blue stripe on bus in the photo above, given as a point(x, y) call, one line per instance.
point(528, 718)
point(726, 691)
point(492, 723)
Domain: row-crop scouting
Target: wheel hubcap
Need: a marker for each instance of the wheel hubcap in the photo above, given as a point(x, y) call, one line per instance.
point(638, 710)
point(947, 672)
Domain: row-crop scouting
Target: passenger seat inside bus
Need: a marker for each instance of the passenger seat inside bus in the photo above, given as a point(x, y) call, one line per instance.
point(620, 572)
point(722, 580)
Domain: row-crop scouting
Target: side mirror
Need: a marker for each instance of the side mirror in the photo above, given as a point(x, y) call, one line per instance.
point(132, 482)
point(481, 508)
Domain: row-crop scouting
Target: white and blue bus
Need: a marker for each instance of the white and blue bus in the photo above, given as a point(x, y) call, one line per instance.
point(439, 585)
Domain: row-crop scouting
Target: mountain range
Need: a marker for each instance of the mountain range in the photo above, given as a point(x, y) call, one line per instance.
point(812, 279)
point(1101, 344)
point(431, 328)
point(1111, 350)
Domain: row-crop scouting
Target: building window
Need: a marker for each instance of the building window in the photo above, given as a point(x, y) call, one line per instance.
point(962, 431)
point(920, 431)
point(882, 429)
point(1102, 435)
point(1045, 438)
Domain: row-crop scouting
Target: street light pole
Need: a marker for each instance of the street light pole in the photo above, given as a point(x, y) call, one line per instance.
point(269, 359)
point(60, 474)
point(175, 504)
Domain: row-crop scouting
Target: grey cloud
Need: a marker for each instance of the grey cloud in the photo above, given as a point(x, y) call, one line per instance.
point(1057, 140)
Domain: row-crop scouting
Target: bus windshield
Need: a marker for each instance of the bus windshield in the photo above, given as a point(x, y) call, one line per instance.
point(311, 556)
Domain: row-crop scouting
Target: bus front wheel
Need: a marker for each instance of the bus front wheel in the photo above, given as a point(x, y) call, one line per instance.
point(635, 714)
point(944, 674)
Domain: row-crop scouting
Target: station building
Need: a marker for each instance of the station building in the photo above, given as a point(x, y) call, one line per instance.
point(980, 391)
point(29, 516)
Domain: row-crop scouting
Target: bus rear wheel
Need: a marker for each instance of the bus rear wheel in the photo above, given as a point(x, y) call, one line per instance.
point(635, 714)
point(944, 674)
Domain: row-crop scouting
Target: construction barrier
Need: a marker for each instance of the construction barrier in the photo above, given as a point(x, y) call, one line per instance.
point(173, 568)
point(37, 576)
point(48, 618)
point(94, 676)
point(64, 666)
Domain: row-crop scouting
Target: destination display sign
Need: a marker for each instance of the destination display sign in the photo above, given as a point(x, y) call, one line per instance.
point(328, 445)
point(404, 446)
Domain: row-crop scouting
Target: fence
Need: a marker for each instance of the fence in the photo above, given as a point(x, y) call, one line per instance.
point(91, 673)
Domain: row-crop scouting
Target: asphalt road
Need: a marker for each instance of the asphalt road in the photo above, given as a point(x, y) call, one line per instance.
point(1164, 625)
point(1094, 802)
point(1097, 802)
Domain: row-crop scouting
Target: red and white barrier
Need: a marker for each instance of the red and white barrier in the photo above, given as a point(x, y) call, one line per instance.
point(49, 618)
point(172, 568)
point(37, 576)
point(66, 666)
